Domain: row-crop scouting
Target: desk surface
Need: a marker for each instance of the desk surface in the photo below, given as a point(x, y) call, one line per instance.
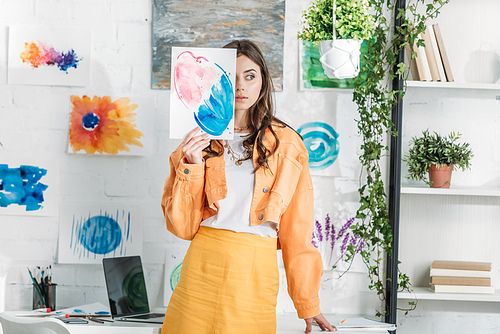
point(287, 324)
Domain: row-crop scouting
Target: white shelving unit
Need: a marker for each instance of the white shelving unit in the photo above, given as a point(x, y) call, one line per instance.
point(452, 85)
point(457, 191)
point(421, 293)
point(462, 222)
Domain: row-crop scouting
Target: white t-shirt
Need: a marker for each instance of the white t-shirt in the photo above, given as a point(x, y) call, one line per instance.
point(234, 210)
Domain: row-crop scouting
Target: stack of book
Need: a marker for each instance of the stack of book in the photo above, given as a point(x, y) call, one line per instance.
point(461, 277)
point(431, 61)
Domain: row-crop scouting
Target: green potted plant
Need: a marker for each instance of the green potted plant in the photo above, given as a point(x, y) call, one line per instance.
point(436, 156)
point(339, 33)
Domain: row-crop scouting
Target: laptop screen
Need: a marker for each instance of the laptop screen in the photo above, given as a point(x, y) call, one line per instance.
point(126, 285)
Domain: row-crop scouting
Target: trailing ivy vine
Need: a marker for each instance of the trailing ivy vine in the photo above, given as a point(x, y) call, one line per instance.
point(375, 99)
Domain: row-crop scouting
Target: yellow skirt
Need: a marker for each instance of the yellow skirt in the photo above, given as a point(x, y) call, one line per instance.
point(228, 284)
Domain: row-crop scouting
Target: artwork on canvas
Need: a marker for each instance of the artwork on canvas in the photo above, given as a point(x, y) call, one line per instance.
point(321, 141)
point(202, 91)
point(87, 234)
point(212, 24)
point(49, 56)
point(174, 256)
point(311, 74)
point(28, 189)
point(102, 125)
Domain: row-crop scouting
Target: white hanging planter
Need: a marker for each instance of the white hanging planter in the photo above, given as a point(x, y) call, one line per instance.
point(340, 58)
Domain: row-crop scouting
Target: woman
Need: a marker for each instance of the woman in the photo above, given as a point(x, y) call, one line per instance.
point(239, 200)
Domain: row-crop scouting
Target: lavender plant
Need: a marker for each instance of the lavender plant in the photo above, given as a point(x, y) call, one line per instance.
point(325, 237)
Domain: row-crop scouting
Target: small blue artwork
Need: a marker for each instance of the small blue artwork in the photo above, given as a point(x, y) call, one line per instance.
point(175, 276)
point(21, 186)
point(88, 236)
point(321, 141)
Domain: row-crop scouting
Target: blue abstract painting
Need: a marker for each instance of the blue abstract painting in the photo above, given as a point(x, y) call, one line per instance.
point(89, 235)
point(212, 24)
point(322, 144)
point(22, 186)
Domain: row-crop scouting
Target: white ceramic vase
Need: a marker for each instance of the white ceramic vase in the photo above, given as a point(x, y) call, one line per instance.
point(340, 58)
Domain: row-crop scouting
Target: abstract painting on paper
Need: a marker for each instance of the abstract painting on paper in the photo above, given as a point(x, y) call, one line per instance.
point(49, 56)
point(321, 141)
point(101, 125)
point(87, 234)
point(202, 91)
point(27, 189)
point(212, 24)
point(174, 256)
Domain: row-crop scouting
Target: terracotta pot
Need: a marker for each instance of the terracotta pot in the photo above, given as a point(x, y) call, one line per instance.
point(440, 177)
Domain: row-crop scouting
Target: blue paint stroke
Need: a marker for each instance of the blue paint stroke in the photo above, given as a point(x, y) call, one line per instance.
point(321, 142)
point(67, 60)
point(100, 234)
point(215, 113)
point(21, 186)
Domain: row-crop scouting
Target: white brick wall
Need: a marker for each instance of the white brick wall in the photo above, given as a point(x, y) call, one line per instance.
point(34, 122)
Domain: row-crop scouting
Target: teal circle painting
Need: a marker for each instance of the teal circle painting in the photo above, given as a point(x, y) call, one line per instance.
point(175, 276)
point(321, 141)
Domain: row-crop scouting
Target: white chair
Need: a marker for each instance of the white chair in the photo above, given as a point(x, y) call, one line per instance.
point(12, 324)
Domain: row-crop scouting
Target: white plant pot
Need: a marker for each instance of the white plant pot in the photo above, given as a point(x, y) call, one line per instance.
point(340, 58)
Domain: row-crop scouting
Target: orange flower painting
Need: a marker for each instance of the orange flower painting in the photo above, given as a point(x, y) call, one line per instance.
point(102, 126)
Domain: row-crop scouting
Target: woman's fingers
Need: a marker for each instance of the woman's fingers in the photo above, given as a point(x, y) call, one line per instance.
point(193, 145)
point(191, 134)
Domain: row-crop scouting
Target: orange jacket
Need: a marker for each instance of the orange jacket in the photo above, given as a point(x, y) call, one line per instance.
point(283, 195)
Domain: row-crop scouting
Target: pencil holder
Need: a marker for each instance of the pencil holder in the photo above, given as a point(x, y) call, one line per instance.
point(44, 296)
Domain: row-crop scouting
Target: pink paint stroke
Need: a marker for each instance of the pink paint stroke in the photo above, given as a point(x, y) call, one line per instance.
point(193, 76)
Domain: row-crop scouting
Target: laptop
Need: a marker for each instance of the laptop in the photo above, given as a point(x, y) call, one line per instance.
point(127, 294)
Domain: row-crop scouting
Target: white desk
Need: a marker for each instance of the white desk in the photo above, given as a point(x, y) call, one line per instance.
point(287, 324)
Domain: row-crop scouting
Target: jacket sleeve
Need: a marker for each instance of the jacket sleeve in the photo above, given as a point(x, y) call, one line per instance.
point(183, 196)
point(303, 264)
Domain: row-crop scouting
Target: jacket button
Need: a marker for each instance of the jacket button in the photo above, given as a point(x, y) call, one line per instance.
point(264, 138)
point(186, 171)
point(261, 217)
point(266, 189)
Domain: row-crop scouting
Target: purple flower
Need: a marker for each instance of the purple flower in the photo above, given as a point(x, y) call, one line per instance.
point(344, 244)
point(319, 231)
point(328, 225)
point(353, 240)
point(345, 227)
point(361, 245)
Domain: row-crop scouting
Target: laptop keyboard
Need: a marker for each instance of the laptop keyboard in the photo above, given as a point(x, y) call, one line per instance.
point(147, 316)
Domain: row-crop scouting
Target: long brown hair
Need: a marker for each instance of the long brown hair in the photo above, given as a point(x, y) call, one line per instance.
point(261, 114)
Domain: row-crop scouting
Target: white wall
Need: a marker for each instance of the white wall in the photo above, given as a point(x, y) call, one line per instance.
point(34, 124)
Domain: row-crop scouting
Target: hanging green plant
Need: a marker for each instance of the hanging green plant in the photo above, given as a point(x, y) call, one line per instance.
point(352, 21)
point(375, 99)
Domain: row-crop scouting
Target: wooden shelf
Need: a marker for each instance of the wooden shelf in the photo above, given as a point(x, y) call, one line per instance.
point(422, 293)
point(464, 191)
point(453, 85)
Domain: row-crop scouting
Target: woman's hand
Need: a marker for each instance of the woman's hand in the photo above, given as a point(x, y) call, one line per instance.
point(321, 321)
point(193, 146)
